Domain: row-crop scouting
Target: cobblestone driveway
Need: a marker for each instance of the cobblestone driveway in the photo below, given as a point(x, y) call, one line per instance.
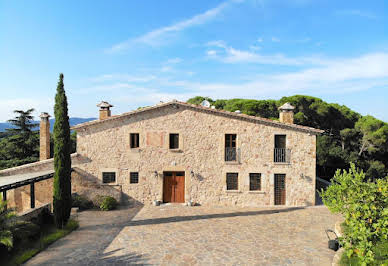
point(196, 235)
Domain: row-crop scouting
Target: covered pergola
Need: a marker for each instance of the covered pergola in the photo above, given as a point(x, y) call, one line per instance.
point(19, 180)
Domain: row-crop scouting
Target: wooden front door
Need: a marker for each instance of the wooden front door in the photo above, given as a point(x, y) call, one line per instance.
point(280, 189)
point(174, 187)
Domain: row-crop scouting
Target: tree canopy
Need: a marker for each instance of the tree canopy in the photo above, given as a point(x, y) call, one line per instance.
point(349, 136)
point(18, 144)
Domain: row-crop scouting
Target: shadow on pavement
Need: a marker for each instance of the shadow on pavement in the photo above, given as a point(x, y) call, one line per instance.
point(176, 219)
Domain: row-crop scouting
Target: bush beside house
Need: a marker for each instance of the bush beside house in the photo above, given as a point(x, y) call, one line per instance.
point(364, 205)
point(108, 203)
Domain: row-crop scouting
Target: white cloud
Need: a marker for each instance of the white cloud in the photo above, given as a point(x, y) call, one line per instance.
point(254, 47)
point(175, 60)
point(123, 77)
point(260, 40)
point(304, 40)
point(166, 69)
point(7, 106)
point(357, 12)
point(211, 52)
point(229, 54)
point(335, 77)
point(190, 73)
point(338, 76)
point(274, 39)
point(155, 37)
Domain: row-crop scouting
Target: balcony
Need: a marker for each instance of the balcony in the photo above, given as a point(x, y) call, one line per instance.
point(282, 155)
point(232, 154)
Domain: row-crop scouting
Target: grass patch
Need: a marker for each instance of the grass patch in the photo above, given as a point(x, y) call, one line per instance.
point(381, 251)
point(22, 258)
point(30, 247)
point(59, 233)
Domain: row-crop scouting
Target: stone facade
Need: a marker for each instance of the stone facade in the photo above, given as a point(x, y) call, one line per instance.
point(106, 145)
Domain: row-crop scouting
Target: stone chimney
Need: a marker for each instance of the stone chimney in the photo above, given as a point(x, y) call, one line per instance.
point(286, 114)
point(44, 149)
point(104, 110)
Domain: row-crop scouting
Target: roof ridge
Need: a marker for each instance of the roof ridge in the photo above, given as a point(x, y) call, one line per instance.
point(199, 107)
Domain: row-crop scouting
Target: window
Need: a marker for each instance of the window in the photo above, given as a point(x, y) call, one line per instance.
point(231, 181)
point(281, 154)
point(254, 181)
point(174, 141)
point(134, 140)
point(134, 177)
point(108, 177)
point(230, 147)
point(280, 141)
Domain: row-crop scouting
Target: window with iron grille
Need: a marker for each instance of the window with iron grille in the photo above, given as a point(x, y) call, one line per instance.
point(174, 141)
point(134, 140)
point(281, 153)
point(108, 177)
point(231, 181)
point(230, 147)
point(134, 177)
point(254, 181)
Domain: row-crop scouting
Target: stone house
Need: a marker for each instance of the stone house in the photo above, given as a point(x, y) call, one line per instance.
point(179, 152)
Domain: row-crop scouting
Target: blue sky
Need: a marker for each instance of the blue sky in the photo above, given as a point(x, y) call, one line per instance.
point(136, 53)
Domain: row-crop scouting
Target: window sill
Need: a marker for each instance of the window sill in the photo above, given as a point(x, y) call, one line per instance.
point(282, 163)
point(110, 184)
point(256, 192)
point(232, 191)
point(135, 149)
point(176, 150)
point(232, 162)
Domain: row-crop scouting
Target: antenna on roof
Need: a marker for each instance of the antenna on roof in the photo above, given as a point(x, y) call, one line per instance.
point(205, 103)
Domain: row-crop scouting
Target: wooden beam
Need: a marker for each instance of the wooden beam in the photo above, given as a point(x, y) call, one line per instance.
point(32, 194)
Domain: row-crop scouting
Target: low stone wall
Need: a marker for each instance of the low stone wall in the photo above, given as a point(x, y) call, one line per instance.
point(33, 213)
point(82, 183)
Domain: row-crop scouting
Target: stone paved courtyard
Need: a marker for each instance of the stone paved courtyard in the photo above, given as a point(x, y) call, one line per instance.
point(179, 235)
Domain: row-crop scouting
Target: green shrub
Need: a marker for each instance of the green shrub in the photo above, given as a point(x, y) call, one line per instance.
point(108, 203)
point(22, 230)
point(81, 202)
point(7, 218)
point(26, 255)
point(381, 256)
point(364, 205)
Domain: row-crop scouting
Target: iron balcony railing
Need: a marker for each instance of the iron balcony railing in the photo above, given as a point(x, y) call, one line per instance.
point(282, 155)
point(232, 154)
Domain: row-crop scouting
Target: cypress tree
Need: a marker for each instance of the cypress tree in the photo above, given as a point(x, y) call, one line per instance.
point(62, 161)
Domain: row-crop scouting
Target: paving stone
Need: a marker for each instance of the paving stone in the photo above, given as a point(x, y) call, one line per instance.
point(179, 235)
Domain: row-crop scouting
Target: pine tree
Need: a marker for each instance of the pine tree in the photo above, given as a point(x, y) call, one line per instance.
point(23, 139)
point(62, 161)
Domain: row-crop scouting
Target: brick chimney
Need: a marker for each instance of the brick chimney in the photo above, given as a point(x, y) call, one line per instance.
point(104, 109)
point(44, 149)
point(286, 114)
